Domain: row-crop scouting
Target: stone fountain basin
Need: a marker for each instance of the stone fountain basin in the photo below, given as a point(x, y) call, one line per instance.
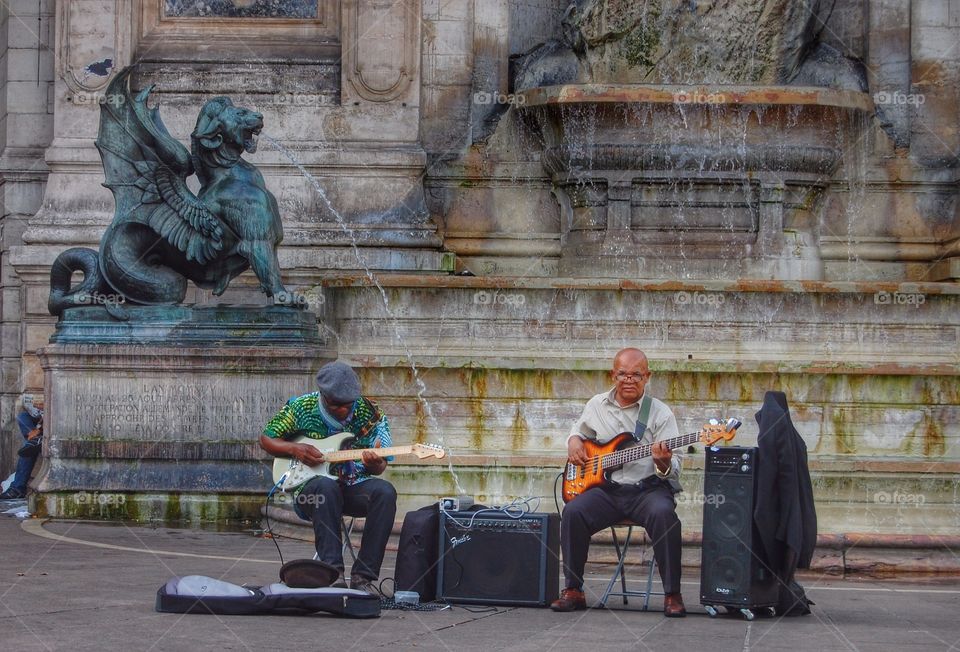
point(722, 129)
point(693, 181)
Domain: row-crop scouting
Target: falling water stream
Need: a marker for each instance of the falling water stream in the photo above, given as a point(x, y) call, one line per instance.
point(421, 386)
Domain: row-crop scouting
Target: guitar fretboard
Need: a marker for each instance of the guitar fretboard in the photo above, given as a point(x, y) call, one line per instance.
point(634, 453)
point(356, 454)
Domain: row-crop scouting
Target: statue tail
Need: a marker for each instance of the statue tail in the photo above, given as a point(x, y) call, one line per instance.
point(133, 264)
point(62, 295)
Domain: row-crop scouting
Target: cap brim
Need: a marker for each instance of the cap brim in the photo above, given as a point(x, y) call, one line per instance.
point(308, 574)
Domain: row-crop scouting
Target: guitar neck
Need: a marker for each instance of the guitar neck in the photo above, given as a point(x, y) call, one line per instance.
point(634, 453)
point(356, 454)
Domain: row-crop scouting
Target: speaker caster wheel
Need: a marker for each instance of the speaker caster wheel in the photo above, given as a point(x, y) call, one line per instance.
point(711, 610)
point(747, 614)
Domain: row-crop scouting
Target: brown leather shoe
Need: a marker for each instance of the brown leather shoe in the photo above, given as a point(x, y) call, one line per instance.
point(673, 606)
point(569, 600)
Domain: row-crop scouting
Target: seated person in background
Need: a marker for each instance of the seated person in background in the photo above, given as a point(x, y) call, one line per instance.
point(641, 491)
point(30, 421)
point(338, 407)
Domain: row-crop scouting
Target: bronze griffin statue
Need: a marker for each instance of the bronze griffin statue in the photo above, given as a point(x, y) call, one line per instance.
point(162, 234)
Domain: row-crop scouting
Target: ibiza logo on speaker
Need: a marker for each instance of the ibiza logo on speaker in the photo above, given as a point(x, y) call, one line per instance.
point(456, 541)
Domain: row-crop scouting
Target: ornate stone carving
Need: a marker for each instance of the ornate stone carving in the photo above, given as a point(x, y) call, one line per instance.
point(85, 64)
point(380, 53)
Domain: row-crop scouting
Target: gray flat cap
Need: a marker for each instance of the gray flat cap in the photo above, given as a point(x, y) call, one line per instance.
point(338, 383)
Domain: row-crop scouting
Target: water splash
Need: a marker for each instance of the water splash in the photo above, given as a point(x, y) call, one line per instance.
point(408, 354)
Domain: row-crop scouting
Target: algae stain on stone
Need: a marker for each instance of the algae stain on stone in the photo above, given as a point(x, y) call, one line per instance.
point(420, 426)
point(640, 46)
point(477, 391)
point(846, 445)
point(934, 442)
point(519, 429)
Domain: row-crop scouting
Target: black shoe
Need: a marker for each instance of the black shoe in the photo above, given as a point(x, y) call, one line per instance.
point(365, 584)
point(13, 494)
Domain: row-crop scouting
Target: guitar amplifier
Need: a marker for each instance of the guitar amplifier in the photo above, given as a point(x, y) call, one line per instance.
point(488, 557)
point(732, 572)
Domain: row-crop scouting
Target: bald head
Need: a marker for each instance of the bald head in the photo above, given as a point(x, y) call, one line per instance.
point(630, 374)
point(629, 357)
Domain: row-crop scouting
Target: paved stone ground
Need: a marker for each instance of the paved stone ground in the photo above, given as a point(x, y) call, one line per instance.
point(64, 594)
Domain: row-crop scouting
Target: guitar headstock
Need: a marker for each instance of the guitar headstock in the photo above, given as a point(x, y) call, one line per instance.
point(423, 451)
point(714, 432)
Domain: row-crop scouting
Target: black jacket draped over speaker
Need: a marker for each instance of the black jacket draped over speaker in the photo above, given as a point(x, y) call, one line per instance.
point(785, 515)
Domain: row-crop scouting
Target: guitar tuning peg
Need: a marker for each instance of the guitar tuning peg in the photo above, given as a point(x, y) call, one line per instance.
point(714, 422)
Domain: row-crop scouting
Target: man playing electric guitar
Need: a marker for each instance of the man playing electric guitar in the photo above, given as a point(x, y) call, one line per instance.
point(338, 407)
point(640, 491)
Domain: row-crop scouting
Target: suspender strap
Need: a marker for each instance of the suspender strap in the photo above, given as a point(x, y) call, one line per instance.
point(643, 418)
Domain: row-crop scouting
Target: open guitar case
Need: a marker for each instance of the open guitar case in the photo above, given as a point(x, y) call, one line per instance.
point(197, 594)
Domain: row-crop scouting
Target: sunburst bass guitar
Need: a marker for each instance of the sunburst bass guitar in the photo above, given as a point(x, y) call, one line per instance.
point(289, 473)
point(608, 457)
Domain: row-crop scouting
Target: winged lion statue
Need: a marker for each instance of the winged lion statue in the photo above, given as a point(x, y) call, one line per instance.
point(162, 234)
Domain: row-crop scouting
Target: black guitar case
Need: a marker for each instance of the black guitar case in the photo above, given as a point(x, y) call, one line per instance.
point(196, 594)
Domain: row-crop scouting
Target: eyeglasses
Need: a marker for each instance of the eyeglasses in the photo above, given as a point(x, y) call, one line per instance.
point(635, 377)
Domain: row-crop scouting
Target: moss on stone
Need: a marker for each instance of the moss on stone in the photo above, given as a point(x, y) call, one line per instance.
point(640, 45)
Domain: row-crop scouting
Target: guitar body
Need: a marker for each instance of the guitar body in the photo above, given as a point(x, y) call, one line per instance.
point(290, 473)
point(604, 458)
point(298, 472)
point(577, 479)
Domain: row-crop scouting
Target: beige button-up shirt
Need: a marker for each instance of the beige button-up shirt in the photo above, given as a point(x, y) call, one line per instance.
point(602, 420)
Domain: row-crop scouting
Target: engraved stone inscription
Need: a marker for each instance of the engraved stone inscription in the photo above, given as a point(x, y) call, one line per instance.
point(191, 412)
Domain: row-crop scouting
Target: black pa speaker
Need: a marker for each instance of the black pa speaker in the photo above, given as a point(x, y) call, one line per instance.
point(732, 571)
point(492, 558)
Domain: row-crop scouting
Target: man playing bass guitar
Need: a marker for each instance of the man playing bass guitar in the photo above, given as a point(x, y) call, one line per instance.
point(640, 491)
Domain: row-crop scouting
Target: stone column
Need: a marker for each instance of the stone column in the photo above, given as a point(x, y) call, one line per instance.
point(26, 128)
point(935, 119)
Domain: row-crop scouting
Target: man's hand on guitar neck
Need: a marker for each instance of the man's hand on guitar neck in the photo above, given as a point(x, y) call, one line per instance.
point(662, 456)
point(374, 464)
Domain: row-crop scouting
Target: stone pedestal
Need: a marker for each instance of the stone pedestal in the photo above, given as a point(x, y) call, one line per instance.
point(154, 431)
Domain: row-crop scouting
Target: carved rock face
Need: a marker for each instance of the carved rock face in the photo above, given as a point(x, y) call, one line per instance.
point(693, 41)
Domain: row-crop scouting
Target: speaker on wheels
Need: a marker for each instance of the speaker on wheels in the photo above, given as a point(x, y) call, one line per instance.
point(732, 570)
point(492, 558)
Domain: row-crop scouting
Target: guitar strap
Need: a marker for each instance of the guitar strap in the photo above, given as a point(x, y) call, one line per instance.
point(642, 418)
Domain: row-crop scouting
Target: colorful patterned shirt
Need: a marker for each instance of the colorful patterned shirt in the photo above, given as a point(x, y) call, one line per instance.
point(304, 416)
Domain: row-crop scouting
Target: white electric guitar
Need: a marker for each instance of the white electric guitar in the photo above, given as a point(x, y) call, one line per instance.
point(289, 473)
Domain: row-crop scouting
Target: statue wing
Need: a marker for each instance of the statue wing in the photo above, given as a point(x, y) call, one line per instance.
point(146, 170)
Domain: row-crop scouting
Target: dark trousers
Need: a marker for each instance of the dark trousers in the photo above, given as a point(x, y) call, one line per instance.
point(26, 462)
point(324, 501)
point(601, 507)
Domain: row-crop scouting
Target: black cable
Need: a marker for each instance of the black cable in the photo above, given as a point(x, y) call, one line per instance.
point(266, 514)
point(555, 501)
